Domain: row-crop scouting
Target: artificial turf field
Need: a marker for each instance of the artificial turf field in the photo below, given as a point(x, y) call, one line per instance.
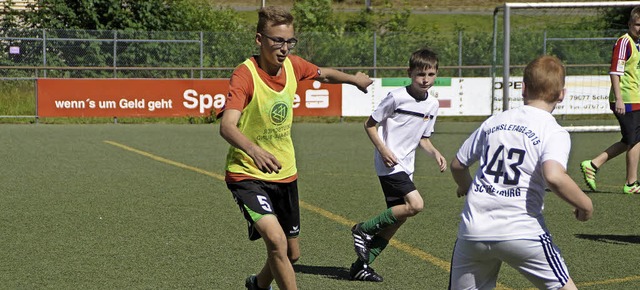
point(123, 206)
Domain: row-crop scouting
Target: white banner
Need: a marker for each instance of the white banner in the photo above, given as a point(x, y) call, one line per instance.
point(472, 96)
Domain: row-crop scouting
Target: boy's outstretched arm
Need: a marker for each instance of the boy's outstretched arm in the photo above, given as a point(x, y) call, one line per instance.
point(388, 157)
point(428, 147)
point(561, 183)
point(461, 176)
point(333, 76)
point(264, 160)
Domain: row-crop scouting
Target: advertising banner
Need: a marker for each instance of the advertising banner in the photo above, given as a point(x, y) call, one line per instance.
point(193, 98)
point(163, 98)
point(457, 96)
point(583, 95)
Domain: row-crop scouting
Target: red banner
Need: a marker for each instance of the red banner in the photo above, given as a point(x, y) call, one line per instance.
point(163, 98)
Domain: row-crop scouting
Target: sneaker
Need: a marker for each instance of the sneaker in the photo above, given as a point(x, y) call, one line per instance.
point(361, 242)
point(631, 189)
point(252, 283)
point(364, 273)
point(589, 174)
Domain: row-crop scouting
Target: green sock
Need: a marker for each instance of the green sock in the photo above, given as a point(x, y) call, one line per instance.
point(379, 222)
point(377, 245)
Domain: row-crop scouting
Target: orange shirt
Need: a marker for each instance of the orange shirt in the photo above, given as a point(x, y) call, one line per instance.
point(241, 85)
point(241, 92)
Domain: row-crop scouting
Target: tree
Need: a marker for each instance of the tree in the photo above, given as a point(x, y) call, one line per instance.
point(158, 15)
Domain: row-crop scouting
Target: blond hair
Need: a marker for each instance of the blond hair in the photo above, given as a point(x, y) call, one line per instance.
point(271, 16)
point(544, 79)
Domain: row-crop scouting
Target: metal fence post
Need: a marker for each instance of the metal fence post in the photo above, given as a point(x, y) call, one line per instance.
point(115, 53)
point(459, 54)
point(375, 54)
point(544, 42)
point(44, 51)
point(201, 54)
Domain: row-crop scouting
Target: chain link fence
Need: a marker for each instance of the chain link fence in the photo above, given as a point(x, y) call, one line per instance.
point(146, 54)
point(141, 54)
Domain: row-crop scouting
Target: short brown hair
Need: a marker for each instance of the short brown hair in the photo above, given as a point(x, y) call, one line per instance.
point(544, 78)
point(635, 14)
point(271, 15)
point(423, 59)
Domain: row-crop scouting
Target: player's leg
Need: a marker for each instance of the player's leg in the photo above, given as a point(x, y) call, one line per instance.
point(253, 198)
point(285, 249)
point(277, 250)
point(630, 131)
point(403, 201)
point(473, 266)
point(413, 204)
point(633, 154)
point(589, 168)
point(402, 198)
point(287, 207)
point(395, 187)
point(264, 278)
point(611, 152)
point(539, 260)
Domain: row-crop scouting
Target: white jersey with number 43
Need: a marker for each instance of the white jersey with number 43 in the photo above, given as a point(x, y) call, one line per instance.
point(506, 198)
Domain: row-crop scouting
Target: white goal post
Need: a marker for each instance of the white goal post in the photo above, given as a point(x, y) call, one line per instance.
point(508, 10)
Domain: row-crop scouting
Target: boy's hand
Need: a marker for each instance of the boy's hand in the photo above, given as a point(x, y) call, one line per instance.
point(442, 162)
point(362, 81)
point(461, 191)
point(264, 160)
point(388, 158)
point(582, 215)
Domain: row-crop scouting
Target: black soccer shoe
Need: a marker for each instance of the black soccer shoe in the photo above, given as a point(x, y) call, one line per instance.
point(361, 242)
point(252, 283)
point(364, 273)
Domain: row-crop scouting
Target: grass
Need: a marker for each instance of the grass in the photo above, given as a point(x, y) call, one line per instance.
point(108, 206)
point(17, 98)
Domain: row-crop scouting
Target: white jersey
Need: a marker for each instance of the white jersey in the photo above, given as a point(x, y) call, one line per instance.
point(506, 198)
point(403, 121)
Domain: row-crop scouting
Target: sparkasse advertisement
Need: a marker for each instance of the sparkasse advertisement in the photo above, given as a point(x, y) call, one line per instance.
point(163, 98)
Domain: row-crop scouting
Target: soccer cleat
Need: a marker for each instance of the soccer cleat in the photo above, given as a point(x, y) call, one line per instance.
point(631, 189)
point(252, 283)
point(361, 242)
point(589, 174)
point(364, 273)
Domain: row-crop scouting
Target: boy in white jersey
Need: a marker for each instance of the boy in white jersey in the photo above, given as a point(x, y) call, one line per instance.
point(521, 151)
point(403, 121)
point(624, 99)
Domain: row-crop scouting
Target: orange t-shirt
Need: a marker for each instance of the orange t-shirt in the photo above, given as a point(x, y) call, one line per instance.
point(241, 92)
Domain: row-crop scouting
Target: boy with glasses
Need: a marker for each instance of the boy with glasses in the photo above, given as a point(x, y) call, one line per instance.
point(256, 121)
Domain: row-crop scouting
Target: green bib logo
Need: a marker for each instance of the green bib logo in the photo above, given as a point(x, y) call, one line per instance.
point(279, 113)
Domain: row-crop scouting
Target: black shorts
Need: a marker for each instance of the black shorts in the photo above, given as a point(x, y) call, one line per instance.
point(395, 187)
point(257, 198)
point(629, 127)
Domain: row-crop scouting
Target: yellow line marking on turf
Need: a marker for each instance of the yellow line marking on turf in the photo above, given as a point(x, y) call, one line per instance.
point(610, 281)
point(411, 250)
point(164, 160)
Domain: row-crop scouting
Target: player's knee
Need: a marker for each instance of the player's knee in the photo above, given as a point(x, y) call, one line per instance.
point(276, 244)
point(293, 259)
point(415, 209)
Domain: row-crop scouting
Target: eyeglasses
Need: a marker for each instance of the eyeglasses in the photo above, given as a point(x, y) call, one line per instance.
point(278, 42)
